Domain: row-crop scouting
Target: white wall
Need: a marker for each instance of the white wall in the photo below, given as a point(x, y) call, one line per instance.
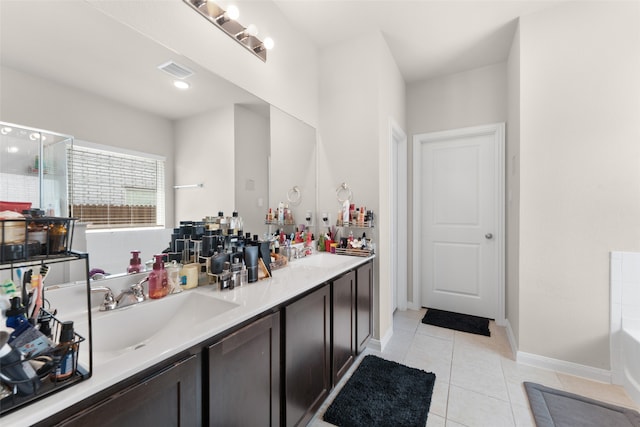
point(293, 163)
point(361, 90)
point(251, 168)
point(469, 98)
point(111, 250)
point(33, 101)
point(289, 78)
point(205, 155)
point(512, 175)
point(579, 176)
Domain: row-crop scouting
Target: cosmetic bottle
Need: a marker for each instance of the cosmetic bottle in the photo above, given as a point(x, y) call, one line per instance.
point(135, 264)
point(67, 352)
point(158, 282)
point(16, 318)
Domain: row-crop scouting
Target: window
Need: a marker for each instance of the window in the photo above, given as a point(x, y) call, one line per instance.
point(113, 190)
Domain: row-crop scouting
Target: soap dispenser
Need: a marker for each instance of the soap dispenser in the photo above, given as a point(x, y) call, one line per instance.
point(158, 282)
point(135, 264)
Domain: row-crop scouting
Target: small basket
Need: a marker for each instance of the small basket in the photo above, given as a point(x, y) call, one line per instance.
point(45, 383)
point(354, 252)
point(35, 238)
point(280, 261)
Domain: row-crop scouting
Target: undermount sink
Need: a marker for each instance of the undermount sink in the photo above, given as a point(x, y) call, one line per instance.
point(137, 326)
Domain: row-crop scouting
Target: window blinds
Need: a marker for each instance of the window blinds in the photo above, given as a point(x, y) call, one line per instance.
point(110, 189)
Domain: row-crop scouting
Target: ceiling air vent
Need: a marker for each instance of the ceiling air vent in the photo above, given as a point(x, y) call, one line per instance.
point(175, 69)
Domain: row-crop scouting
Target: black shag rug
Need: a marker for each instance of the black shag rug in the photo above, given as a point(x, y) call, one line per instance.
point(459, 322)
point(383, 393)
point(557, 408)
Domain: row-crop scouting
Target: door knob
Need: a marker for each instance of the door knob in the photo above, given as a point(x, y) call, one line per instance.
point(488, 236)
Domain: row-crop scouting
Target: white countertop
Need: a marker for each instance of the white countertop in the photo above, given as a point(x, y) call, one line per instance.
point(252, 300)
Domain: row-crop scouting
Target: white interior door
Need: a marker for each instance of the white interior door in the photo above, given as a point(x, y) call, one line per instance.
point(460, 202)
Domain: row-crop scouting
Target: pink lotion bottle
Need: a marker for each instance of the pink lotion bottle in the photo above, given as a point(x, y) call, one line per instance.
point(135, 265)
point(158, 281)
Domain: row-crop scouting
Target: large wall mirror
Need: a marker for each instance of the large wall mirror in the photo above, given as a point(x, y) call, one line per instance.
point(67, 67)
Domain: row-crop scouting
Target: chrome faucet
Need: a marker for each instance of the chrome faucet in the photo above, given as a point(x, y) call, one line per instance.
point(109, 302)
point(131, 296)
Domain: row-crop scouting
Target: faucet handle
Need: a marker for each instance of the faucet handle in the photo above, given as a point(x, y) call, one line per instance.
point(138, 290)
point(109, 302)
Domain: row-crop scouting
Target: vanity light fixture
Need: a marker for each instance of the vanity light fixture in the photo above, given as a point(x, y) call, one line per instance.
point(226, 20)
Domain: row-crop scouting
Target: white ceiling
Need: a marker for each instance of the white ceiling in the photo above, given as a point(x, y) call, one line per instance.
point(427, 38)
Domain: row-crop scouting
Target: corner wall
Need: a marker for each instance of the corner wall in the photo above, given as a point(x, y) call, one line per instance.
point(512, 175)
point(579, 181)
point(360, 91)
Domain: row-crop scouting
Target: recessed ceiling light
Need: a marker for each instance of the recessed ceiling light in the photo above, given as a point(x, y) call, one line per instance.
point(6, 130)
point(181, 84)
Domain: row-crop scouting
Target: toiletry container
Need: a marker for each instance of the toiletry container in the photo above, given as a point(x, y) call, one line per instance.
point(16, 318)
point(173, 276)
point(189, 275)
point(67, 352)
point(135, 264)
point(251, 261)
point(158, 282)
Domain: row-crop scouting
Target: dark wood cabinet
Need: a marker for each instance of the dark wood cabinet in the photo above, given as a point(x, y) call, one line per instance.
point(168, 397)
point(364, 305)
point(307, 356)
point(343, 326)
point(276, 370)
point(244, 376)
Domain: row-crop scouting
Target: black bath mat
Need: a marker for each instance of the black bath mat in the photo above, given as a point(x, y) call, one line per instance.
point(383, 393)
point(459, 322)
point(556, 408)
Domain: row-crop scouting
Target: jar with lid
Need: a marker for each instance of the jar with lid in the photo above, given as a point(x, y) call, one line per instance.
point(57, 237)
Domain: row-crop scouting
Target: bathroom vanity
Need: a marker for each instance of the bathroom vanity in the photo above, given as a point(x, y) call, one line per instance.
point(270, 353)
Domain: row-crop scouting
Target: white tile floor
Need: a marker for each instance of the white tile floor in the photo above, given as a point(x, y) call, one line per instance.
point(477, 381)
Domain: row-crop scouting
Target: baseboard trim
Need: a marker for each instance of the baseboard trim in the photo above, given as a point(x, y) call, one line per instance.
point(564, 367)
point(512, 339)
point(380, 344)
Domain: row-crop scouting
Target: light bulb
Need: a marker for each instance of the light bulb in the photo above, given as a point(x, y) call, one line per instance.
point(233, 12)
point(251, 30)
point(181, 84)
point(268, 43)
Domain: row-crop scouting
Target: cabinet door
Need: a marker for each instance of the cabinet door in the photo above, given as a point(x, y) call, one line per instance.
point(364, 301)
point(170, 397)
point(307, 363)
point(343, 327)
point(244, 376)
